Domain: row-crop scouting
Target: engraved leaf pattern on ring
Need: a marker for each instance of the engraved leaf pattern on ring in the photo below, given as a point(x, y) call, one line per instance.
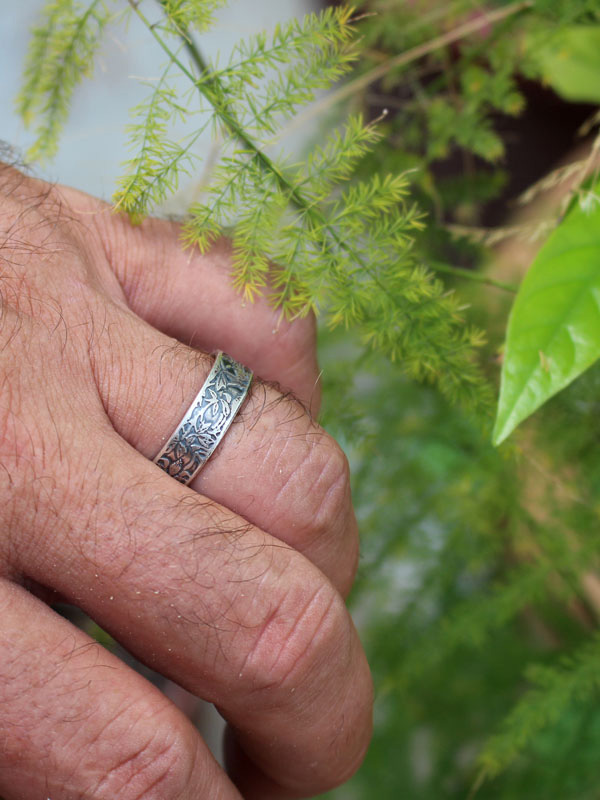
point(205, 424)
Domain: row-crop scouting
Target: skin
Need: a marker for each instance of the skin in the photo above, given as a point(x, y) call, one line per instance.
point(232, 587)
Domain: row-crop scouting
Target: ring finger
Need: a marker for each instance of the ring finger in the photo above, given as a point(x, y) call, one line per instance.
point(275, 467)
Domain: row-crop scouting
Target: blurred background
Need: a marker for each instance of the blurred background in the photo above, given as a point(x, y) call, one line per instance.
point(478, 594)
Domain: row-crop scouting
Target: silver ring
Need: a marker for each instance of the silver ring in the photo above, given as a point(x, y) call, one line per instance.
point(206, 421)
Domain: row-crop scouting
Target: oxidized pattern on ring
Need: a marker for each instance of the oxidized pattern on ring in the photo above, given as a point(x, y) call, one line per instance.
point(206, 420)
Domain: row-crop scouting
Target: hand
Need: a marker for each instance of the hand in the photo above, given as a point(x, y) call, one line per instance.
point(232, 587)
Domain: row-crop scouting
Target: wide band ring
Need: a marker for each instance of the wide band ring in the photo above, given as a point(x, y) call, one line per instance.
point(206, 421)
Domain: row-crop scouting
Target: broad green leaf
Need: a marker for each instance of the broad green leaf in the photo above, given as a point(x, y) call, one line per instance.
point(569, 62)
point(554, 327)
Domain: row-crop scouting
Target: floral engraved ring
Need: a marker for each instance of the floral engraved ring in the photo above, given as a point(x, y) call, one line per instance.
point(206, 421)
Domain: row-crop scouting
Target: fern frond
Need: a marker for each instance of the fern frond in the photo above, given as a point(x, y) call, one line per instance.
point(334, 161)
point(251, 265)
point(266, 80)
point(41, 36)
point(60, 55)
point(374, 213)
point(470, 625)
point(314, 39)
point(159, 161)
point(198, 15)
point(235, 177)
point(554, 688)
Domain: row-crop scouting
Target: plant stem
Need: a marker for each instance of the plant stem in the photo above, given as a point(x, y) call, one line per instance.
point(413, 54)
point(471, 275)
point(227, 116)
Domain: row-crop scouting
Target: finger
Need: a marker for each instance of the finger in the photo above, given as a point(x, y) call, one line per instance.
point(217, 605)
point(252, 782)
point(76, 722)
point(191, 297)
point(275, 467)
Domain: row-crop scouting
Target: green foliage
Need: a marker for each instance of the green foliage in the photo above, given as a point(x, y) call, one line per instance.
point(196, 15)
point(159, 162)
point(465, 127)
point(569, 61)
point(575, 679)
point(60, 55)
point(460, 587)
point(475, 563)
point(554, 327)
point(450, 103)
point(567, 12)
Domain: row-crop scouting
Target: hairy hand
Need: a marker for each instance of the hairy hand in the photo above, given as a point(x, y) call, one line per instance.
point(232, 587)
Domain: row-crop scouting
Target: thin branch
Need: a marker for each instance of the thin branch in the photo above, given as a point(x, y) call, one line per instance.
point(228, 118)
point(471, 275)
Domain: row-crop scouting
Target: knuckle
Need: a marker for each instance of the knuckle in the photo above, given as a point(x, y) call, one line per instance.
point(296, 639)
point(312, 503)
point(153, 759)
point(307, 658)
point(324, 481)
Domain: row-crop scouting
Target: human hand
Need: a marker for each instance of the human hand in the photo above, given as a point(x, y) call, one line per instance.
point(232, 587)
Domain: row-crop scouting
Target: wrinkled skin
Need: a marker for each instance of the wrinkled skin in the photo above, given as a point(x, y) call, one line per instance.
point(231, 587)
